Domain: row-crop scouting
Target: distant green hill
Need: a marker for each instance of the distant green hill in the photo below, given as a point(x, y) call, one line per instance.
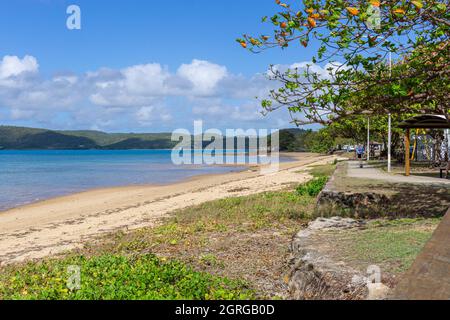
point(22, 138)
point(32, 138)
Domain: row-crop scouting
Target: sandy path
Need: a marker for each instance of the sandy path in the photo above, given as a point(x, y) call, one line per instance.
point(63, 223)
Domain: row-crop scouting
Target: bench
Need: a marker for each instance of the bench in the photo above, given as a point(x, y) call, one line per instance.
point(441, 170)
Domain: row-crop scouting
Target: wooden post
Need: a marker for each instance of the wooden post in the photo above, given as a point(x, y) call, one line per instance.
point(407, 162)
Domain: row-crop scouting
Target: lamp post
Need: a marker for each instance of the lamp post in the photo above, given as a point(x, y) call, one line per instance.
point(368, 139)
point(389, 119)
point(389, 142)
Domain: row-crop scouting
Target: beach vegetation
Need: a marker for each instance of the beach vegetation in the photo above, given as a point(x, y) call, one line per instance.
point(117, 277)
point(312, 187)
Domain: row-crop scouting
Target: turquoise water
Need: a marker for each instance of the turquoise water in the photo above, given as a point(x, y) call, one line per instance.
point(30, 176)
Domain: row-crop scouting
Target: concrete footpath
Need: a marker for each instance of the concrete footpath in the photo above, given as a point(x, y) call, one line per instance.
point(376, 173)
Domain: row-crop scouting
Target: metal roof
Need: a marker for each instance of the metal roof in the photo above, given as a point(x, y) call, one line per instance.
point(426, 121)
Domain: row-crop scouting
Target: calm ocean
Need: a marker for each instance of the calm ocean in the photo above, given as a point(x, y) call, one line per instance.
point(30, 176)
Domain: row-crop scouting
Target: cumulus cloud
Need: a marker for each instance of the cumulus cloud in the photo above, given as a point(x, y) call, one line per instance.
point(13, 66)
point(14, 72)
point(138, 95)
point(203, 75)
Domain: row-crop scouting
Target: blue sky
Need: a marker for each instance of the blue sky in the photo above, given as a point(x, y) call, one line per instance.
point(135, 65)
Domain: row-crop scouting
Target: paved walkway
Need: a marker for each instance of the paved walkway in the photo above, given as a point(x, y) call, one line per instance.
point(376, 173)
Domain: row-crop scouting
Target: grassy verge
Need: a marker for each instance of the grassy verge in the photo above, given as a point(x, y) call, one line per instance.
point(323, 170)
point(391, 244)
point(395, 244)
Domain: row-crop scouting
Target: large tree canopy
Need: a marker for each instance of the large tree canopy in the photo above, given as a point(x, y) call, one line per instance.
point(355, 40)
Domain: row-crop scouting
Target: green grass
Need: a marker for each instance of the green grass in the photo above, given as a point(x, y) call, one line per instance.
point(323, 170)
point(320, 175)
point(312, 187)
point(239, 214)
point(112, 277)
point(256, 211)
point(393, 244)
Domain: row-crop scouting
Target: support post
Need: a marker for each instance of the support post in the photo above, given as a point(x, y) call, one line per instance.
point(407, 160)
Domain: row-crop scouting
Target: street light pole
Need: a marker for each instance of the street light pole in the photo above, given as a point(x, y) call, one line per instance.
point(389, 143)
point(389, 118)
point(368, 139)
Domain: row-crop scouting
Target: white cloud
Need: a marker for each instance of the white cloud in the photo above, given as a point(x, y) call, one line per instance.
point(13, 66)
point(203, 75)
point(137, 95)
point(66, 79)
point(149, 114)
point(145, 79)
point(241, 112)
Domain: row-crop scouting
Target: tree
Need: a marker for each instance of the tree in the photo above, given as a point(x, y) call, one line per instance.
point(355, 39)
point(321, 141)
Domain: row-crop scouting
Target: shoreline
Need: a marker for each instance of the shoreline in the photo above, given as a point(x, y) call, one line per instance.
point(58, 224)
point(243, 167)
point(130, 186)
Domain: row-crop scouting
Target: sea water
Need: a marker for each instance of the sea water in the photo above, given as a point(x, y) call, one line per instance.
point(30, 176)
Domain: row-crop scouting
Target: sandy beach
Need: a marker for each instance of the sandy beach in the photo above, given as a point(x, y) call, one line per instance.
point(53, 226)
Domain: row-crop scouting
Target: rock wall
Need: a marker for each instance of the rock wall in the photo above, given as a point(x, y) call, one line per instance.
point(402, 200)
point(332, 202)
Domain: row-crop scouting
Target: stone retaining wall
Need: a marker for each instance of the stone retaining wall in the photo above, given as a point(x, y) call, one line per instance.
point(398, 203)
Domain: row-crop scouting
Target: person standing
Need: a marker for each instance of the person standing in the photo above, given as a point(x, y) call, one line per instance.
point(359, 154)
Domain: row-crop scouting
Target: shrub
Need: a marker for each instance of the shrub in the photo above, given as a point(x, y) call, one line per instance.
point(312, 187)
